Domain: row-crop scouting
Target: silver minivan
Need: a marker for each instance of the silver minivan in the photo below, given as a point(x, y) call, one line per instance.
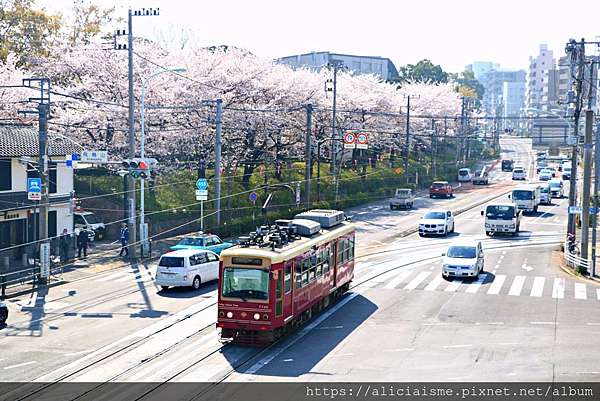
point(187, 268)
point(463, 258)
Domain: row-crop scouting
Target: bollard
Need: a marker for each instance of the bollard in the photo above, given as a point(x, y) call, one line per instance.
point(25, 259)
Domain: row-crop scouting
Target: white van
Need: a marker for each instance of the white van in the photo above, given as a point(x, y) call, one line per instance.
point(465, 175)
point(527, 198)
point(463, 258)
point(545, 194)
point(187, 268)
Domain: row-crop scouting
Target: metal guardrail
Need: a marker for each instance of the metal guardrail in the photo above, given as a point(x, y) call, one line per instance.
point(574, 260)
point(27, 275)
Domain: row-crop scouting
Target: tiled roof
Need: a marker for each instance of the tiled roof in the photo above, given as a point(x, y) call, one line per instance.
point(19, 140)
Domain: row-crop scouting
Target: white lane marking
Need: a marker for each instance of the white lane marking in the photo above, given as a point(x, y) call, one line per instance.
point(508, 343)
point(589, 324)
point(580, 291)
point(453, 286)
point(538, 287)
point(401, 350)
point(434, 283)
point(329, 327)
point(87, 351)
point(558, 289)
point(129, 277)
point(474, 286)
point(398, 279)
point(417, 280)
point(436, 324)
point(517, 286)
point(458, 346)
point(598, 293)
point(543, 323)
point(277, 351)
point(112, 276)
point(497, 284)
point(20, 365)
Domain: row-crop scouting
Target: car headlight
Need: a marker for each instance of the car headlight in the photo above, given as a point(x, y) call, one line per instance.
point(441, 225)
point(487, 225)
point(229, 315)
point(512, 226)
point(257, 316)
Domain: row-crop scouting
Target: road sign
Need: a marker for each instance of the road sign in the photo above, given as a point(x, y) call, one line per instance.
point(297, 193)
point(253, 197)
point(593, 210)
point(202, 183)
point(202, 192)
point(201, 197)
point(34, 188)
point(362, 140)
point(70, 159)
point(349, 140)
point(45, 260)
point(574, 210)
point(94, 156)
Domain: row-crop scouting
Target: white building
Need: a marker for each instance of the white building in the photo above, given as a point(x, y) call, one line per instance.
point(513, 98)
point(537, 78)
point(19, 217)
point(480, 68)
point(380, 66)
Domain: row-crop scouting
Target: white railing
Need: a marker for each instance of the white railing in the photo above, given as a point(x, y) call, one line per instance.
point(573, 260)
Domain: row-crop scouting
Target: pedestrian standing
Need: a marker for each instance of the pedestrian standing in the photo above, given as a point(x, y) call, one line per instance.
point(82, 243)
point(63, 246)
point(124, 239)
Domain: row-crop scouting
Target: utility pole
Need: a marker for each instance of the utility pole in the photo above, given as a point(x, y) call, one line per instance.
point(587, 176)
point(407, 140)
point(577, 53)
point(219, 123)
point(307, 152)
point(433, 149)
point(336, 65)
point(596, 200)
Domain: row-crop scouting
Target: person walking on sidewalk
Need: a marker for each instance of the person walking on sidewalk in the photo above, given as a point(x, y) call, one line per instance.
point(124, 240)
point(64, 246)
point(82, 243)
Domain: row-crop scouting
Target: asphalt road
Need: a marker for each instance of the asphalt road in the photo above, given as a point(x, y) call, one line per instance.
point(525, 320)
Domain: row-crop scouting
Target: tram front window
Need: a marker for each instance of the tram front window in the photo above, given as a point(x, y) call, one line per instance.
point(245, 283)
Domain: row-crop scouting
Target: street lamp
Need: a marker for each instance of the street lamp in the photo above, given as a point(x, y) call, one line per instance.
point(143, 232)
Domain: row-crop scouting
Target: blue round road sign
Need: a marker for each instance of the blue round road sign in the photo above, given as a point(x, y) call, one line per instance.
point(253, 196)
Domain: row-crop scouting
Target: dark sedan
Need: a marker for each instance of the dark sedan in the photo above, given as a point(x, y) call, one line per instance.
point(3, 314)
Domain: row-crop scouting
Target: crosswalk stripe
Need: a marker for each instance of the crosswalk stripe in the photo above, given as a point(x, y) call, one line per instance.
point(517, 286)
point(497, 284)
point(474, 286)
point(453, 286)
point(538, 287)
point(434, 283)
point(127, 278)
point(558, 289)
point(580, 291)
point(417, 280)
point(598, 293)
point(398, 279)
point(111, 277)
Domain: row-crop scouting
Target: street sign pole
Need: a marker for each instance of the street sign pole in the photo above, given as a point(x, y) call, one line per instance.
point(202, 216)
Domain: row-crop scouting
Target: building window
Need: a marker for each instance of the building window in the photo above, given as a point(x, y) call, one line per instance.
point(52, 176)
point(6, 176)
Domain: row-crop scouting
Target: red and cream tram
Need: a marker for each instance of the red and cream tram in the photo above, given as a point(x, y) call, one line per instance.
point(281, 275)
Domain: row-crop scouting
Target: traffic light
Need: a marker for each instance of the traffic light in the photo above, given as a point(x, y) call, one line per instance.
point(139, 168)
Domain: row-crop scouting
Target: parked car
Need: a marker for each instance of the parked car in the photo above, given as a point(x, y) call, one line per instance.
point(441, 188)
point(465, 175)
point(202, 241)
point(90, 222)
point(463, 258)
point(187, 268)
point(404, 197)
point(438, 222)
point(3, 313)
point(545, 175)
point(519, 173)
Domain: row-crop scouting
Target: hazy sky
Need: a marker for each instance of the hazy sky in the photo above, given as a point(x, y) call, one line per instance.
point(452, 33)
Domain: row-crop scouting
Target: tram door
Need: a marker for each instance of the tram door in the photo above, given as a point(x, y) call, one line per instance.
point(287, 281)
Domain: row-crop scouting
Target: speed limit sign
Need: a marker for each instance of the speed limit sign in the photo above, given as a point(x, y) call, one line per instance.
point(349, 140)
point(362, 140)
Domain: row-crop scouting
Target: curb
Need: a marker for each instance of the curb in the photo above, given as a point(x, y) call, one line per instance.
point(571, 273)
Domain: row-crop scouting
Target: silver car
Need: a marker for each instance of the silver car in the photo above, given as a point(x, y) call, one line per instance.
point(463, 259)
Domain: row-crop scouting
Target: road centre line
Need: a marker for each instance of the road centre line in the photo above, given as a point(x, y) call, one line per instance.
point(544, 323)
point(20, 365)
point(458, 346)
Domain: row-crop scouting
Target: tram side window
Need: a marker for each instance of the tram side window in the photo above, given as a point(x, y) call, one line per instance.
point(341, 252)
point(312, 263)
point(305, 268)
point(326, 260)
point(351, 245)
point(299, 274)
point(288, 277)
point(319, 267)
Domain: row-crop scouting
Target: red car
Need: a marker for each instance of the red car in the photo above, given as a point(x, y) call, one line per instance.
point(440, 188)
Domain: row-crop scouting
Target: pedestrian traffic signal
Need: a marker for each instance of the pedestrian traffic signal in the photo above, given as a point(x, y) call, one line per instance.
point(139, 168)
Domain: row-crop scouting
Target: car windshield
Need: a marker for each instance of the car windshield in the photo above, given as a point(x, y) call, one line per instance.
point(403, 193)
point(245, 283)
point(567, 169)
point(435, 215)
point(501, 212)
point(545, 171)
point(192, 241)
point(438, 185)
point(467, 252)
point(522, 194)
point(91, 218)
point(555, 184)
point(171, 261)
point(517, 170)
point(544, 190)
point(463, 172)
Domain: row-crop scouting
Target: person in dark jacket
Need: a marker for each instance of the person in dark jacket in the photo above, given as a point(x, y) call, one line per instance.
point(82, 243)
point(64, 246)
point(124, 239)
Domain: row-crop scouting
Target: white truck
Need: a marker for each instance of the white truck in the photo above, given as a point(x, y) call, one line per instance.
point(404, 198)
point(502, 218)
point(482, 178)
point(527, 198)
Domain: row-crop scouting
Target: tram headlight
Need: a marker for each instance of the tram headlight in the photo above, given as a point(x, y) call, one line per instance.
point(265, 317)
point(229, 315)
point(257, 316)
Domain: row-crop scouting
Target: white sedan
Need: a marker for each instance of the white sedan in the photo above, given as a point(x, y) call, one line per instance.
point(545, 175)
point(438, 222)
